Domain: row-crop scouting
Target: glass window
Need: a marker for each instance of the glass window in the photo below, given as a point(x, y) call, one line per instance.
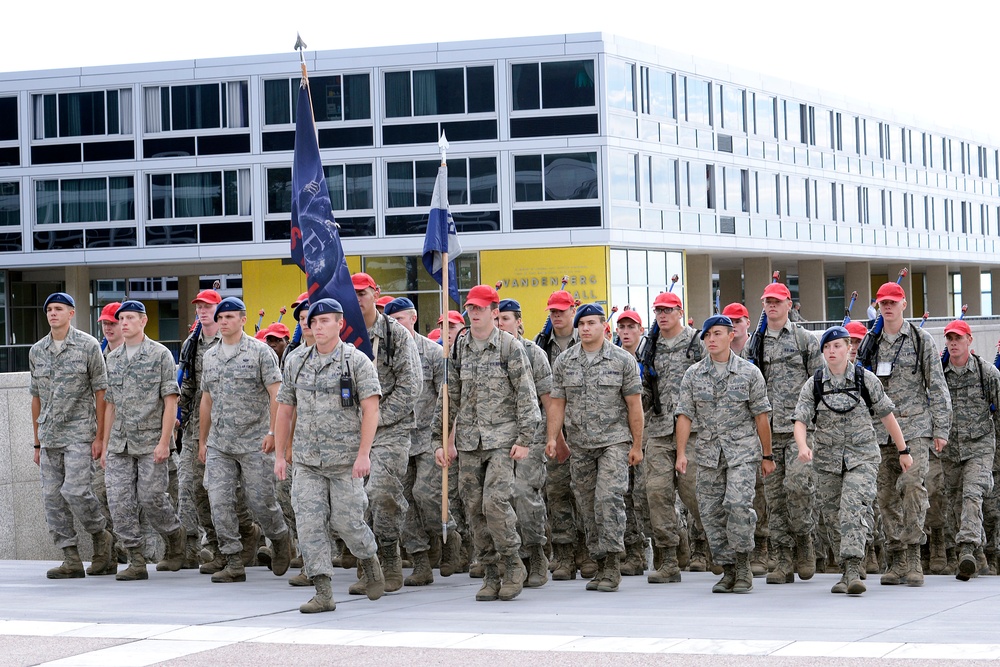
point(554, 177)
point(822, 134)
point(438, 92)
point(733, 118)
point(851, 203)
point(552, 85)
point(662, 181)
point(700, 178)
point(872, 138)
point(624, 176)
point(196, 107)
point(794, 128)
point(658, 92)
point(10, 204)
point(823, 205)
point(764, 115)
point(621, 84)
point(698, 93)
point(199, 194)
point(411, 184)
point(85, 114)
point(933, 151)
point(767, 193)
point(873, 206)
point(734, 182)
point(848, 126)
point(81, 200)
point(797, 203)
point(895, 144)
point(916, 145)
point(917, 212)
point(8, 118)
point(894, 213)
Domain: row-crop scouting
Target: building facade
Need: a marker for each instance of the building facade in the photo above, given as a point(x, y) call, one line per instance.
point(615, 163)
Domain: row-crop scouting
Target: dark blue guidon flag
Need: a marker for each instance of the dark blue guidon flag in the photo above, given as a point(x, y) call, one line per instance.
point(442, 237)
point(316, 246)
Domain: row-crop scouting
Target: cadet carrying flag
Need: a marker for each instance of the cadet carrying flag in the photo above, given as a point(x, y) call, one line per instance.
point(442, 237)
point(315, 242)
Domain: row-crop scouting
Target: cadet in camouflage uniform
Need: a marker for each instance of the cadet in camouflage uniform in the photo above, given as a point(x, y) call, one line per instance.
point(68, 383)
point(112, 330)
point(330, 450)
point(727, 397)
point(139, 436)
point(915, 383)
point(968, 459)
point(791, 356)
point(565, 526)
point(845, 452)
point(596, 373)
point(529, 472)
point(422, 484)
point(239, 385)
point(401, 378)
point(677, 349)
point(493, 404)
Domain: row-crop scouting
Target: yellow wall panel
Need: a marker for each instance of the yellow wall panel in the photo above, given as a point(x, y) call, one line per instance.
point(153, 313)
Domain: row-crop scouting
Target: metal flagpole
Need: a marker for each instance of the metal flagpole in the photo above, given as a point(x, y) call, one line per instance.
point(443, 146)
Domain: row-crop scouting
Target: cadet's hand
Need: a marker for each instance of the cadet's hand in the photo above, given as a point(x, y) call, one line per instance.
point(519, 453)
point(362, 466)
point(104, 459)
point(162, 451)
point(279, 467)
point(95, 448)
point(38, 456)
point(767, 467)
point(562, 449)
point(635, 455)
point(939, 444)
point(906, 461)
point(268, 445)
point(805, 455)
point(439, 456)
point(202, 452)
point(550, 449)
point(681, 465)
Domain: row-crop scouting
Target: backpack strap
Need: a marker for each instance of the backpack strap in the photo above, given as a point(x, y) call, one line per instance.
point(859, 381)
point(817, 391)
point(692, 348)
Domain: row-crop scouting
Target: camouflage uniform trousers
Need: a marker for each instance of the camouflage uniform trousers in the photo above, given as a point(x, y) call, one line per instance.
point(283, 494)
point(529, 496)
point(192, 498)
point(991, 511)
point(328, 499)
point(486, 484)
point(968, 483)
point(845, 501)
point(138, 483)
point(560, 502)
point(790, 490)
point(600, 480)
point(455, 504)
point(385, 490)
point(636, 507)
point(223, 475)
point(663, 485)
point(422, 488)
point(761, 532)
point(725, 502)
point(67, 492)
point(938, 511)
point(902, 497)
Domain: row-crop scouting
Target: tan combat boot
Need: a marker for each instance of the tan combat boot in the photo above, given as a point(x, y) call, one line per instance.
point(743, 582)
point(784, 568)
point(71, 567)
point(805, 561)
point(451, 555)
point(699, 556)
point(635, 560)
point(595, 581)
point(422, 574)
point(870, 562)
point(841, 586)
point(938, 562)
point(725, 585)
point(610, 574)
point(669, 571)
point(967, 565)
point(217, 560)
point(136, 570)
point(281, 553)
point(852, 572)
point(565, 563)
point(191, 549)
point(173, 559)
point(250, 539)
point(914, 568)
point(514, 575)
point(300, 579)
point(896, 569)
point(758, 558)
point(392, 565)
point(323, 600)
point(588, 566)
point(490, 589)
point(233, 572)
point(104, 561)
point(372, 577)
point(538, 567)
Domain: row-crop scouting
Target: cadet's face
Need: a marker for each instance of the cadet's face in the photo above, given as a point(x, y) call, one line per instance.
point(777, 309)
point(408, 318)
point(591, 328)
point(326, 328)
point(453, 329)
point(509, 322)
point(835, 352)
point(133, 324)
point(717, 339)
point(481, 318)
point(741, 325)
point(562, 319)
point(276, 344)
point(892, 311)
point(231, 322)
point(59, 315)
point(853, 354)
point(307, 333)
point(668, 317)
point(205, 312)
point(112, 330)
point(366, 299)
point(958, 345)
point(629, 332)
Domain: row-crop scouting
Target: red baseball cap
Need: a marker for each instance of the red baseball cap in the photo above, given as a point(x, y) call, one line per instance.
point(776, 291)
point(302, 297)
point(667, 300)
point(278, 330)
point(959, 327)
point(208, 296)
point(382, 301)
point(482, 296)
point(108, 312)
point(362, 281)
point(454, 317)
point(734, 311)
point(629, 314)
point(261, 334)
point(435, 334)
point(856, 329)
point(890, 292)
point(560, 300)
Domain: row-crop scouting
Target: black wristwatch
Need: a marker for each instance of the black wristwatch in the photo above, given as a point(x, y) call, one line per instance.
point(768, 457)
point(904, 452)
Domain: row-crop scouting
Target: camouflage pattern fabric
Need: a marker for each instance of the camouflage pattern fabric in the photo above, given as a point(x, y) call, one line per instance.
point(67, 493)
point(663, 484)
point(136, 482)
point(725, 497)
point(422, 486)
point(137, 387)
point(486, 484)
point(432, 373)
point(565, 523)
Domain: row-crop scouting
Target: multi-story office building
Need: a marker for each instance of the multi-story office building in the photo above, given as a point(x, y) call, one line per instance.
point(616, 163)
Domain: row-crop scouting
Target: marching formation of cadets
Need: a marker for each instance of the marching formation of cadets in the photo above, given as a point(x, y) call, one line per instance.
point(568, 454)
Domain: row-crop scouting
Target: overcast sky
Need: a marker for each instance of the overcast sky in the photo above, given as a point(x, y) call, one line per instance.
point(937, 64)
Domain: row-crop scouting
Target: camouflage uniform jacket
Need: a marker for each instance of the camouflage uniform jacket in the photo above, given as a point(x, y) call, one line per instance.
point(240, 402)
point(553, 350)
point(973, 387)
point(917, 387)
point(845, 436)
point(724, 406)
point(789, 360)
point(541, 373)
point(596, 412)
point(432, 365)
point(401, 378)
point(65, 383)
point(673, 357)
point(136, 387)
point(190, 398)
point(326, 433)
point(491, 394)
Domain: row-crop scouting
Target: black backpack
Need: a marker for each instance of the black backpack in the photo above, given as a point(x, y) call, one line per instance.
point(859, 386)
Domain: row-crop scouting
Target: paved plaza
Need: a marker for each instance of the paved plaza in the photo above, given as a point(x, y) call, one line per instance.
point(183, 619)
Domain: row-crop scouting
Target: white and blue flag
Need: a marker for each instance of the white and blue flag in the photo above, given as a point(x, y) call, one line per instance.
point(442, 237)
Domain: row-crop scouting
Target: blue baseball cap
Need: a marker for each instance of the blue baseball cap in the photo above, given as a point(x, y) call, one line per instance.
point(130, 306)
point(715, 321)
point(230, 303)
point(59, 297)
point(509, 306)
point(400, 303)
point(322, 307)
point(586, 310)
point(833, 333)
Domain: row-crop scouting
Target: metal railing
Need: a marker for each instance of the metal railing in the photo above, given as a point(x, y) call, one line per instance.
point(14, 358)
